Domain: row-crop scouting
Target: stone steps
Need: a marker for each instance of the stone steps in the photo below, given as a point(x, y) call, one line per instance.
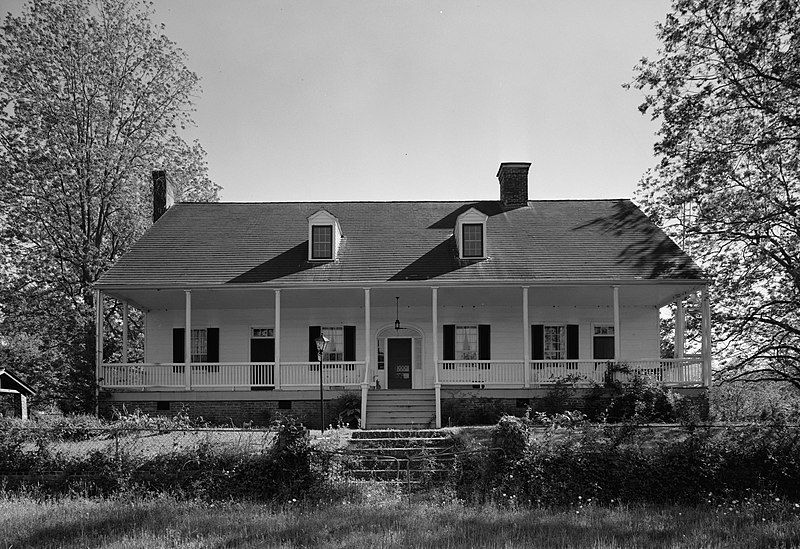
point(402, 456)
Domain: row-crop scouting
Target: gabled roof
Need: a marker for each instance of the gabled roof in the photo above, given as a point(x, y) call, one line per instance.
point(11, 382)
point(208, 244)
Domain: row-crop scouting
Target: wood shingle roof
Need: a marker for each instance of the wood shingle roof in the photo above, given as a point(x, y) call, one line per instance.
point(209, 244)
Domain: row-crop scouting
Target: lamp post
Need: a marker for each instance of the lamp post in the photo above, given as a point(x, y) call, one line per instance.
point(321, 342)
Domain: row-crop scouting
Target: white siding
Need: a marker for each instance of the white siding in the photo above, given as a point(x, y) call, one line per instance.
point(639, 329)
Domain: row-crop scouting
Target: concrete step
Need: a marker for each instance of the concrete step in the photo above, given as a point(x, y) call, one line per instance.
point(387, 442)
point(395, 433)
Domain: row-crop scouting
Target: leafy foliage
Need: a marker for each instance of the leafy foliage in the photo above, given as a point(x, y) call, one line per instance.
point(608, 464)
point(724, 87)
point(347, 409)
point(764, 401)
point(93, 96)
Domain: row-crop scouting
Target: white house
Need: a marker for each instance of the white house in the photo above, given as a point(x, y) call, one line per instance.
point(421, 301)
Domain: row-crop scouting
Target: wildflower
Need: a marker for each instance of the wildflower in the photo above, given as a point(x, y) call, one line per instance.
point(777, 499)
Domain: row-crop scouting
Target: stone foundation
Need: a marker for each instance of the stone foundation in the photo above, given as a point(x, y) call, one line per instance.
point(259, 409)
point(233, 412)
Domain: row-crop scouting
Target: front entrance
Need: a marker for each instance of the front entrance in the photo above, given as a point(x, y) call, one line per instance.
point(262, 349)
point(398, 363)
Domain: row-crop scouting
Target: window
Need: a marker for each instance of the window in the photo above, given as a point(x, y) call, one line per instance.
point(321, 242)
point(466, 343)
point(555, 339)
point(603, 342)
point(200, 345)
point(335, 349)
point(259, 333)
point(381, 355)
point(472, 239)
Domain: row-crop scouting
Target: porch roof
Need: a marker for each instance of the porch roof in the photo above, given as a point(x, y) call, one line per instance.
point(229, 244)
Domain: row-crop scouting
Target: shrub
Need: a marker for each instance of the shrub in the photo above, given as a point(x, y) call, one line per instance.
point(616, 464)
point(290, 471)
point(138, 420)
point(755, 401)
point(559, 398)
point(70, 427)
point(346, 408)
point(472, 410)
point(640, 400)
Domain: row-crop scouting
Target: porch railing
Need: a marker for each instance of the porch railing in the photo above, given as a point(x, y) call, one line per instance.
point(333, 373)
point(484, 372)
point(228, 374)
point(686, 371)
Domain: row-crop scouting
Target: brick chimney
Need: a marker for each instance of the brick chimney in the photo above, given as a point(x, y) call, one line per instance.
point(513, 178)
point(163, 194)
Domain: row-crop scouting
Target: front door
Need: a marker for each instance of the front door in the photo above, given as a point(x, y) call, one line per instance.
point(398, 364)
point(261, 350)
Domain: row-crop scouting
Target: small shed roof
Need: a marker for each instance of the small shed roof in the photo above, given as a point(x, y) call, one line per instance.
point(11, 382)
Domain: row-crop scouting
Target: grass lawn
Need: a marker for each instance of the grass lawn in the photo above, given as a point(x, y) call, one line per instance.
point(382, 519)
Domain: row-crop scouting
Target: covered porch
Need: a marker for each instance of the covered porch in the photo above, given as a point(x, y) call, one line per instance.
point(481, 336)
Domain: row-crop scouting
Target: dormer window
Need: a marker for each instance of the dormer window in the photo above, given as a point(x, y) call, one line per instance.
point(472, 239)
point(322, 242)
point(324, 236)
point(470, 233)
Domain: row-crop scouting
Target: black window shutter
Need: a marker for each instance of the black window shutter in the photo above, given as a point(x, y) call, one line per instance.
point(449, 342)
point(537, 342)
point(313, 333)
point(484, 342)
point(349, 343)
point(572, 341)
point(178, 344)
point(212, 342)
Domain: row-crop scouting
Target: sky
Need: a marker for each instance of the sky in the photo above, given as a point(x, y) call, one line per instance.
point(416, 100)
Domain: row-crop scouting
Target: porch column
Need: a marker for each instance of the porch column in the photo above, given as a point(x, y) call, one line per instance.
point(526, 335)
point(276, 374)
point(617, 334)
point(367, 356)
point(706, 341)
point(436, 385)
point(125, 332)
point(187, 343)
point(23, 406)
point(680, 323)
point(367, 332)
point(98, 347)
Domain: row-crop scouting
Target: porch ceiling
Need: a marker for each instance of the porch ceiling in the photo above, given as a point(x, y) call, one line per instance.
point(597, 295)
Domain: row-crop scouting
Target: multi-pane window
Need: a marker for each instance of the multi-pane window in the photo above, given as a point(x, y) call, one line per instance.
point(466, 343)
point(472, 240)
point(335, 349)
point(321, 242)
point(199, 345)
point(555, 342)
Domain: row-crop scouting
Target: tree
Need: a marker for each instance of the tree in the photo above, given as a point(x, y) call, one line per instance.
point(93, 97)
point(725, 87)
